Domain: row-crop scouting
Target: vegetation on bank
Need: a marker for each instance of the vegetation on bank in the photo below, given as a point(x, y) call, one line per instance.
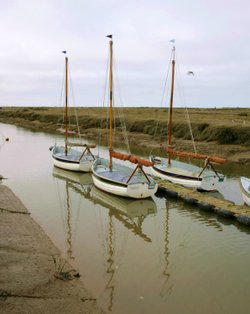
point(224, 126)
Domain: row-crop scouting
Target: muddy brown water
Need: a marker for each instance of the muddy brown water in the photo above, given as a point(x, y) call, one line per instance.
point(135, 256)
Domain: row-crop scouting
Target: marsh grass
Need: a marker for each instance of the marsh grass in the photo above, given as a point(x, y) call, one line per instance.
point(225, 126)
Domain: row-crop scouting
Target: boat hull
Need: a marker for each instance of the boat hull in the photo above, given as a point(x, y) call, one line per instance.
point(176, 173)
point(71, 161)
point(111, 182)
point(245, 189)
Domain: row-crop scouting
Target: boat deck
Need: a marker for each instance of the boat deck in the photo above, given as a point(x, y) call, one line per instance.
point(72, 155)
point(181, 168)
point(119, 176)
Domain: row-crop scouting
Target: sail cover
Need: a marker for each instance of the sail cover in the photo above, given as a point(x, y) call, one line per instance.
point(214, 159)
point(131, 158)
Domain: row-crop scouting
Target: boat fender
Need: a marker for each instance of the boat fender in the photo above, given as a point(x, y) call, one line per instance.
point(171, 193)
point(224, 212)
point(244, 219)
point(167, 192)
point(190, 200)
point(160, 193)
point(206, 206)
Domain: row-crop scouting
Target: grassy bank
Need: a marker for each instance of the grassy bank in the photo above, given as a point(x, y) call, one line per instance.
point(148, 126)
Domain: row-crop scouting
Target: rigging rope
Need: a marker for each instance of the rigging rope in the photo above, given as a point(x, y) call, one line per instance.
point(74, 104)
point(103, 105)
point(164, 93)
point(62, 103)
point(183, 100)
point(118, 114)
point(61, 99)
point(120, 111)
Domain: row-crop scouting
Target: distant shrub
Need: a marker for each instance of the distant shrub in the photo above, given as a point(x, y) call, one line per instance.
point(226, 136)
point(238, 135)
point(202, 127)
point(136, 127)
point(181, 130)
point(41, 108)
point(50, 118)
point(243, 136)
point(149, 129)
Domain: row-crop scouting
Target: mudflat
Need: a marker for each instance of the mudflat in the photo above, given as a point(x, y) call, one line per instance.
point(34, 277)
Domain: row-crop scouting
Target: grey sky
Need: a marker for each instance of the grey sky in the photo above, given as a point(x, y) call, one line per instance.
point(212, 39)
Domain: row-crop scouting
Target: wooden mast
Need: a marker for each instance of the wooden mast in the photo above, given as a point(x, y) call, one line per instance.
point(171, 107)
point(66, 106)
point(170, 150)
point(110, 101)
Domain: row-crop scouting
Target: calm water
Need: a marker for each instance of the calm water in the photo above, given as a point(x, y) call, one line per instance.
point(149, 256)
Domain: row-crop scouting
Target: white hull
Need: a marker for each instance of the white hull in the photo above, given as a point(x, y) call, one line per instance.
point(72, 160)
point(245, 188)
point(111, 184)
point(246, 199)
point(80, 167)
point(188, 175)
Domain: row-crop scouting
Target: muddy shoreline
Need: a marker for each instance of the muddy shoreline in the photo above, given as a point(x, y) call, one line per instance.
point(34, 276)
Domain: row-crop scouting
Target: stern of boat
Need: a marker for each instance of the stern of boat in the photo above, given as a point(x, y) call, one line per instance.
point(213, 182)
point(140, 191)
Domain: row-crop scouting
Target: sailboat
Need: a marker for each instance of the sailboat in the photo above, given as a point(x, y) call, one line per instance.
point(120, 179)
point(201, 178)
point(65, 156)
point(245, 189)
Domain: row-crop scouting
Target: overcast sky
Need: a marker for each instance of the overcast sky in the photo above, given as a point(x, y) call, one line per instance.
point(212, 39)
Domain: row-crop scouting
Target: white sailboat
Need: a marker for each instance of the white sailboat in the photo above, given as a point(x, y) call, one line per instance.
point(120, 179)
point(245, 189)
point(202, 178)
point(67, 156)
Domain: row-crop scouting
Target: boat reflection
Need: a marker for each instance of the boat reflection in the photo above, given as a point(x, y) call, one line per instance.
point(207, 218)
point(130, 212)
point(167, 286)
point(202, 216)
point(78, 183)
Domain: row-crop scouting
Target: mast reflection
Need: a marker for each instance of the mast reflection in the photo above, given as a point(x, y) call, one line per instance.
point(79, 184)
point(130, 213)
